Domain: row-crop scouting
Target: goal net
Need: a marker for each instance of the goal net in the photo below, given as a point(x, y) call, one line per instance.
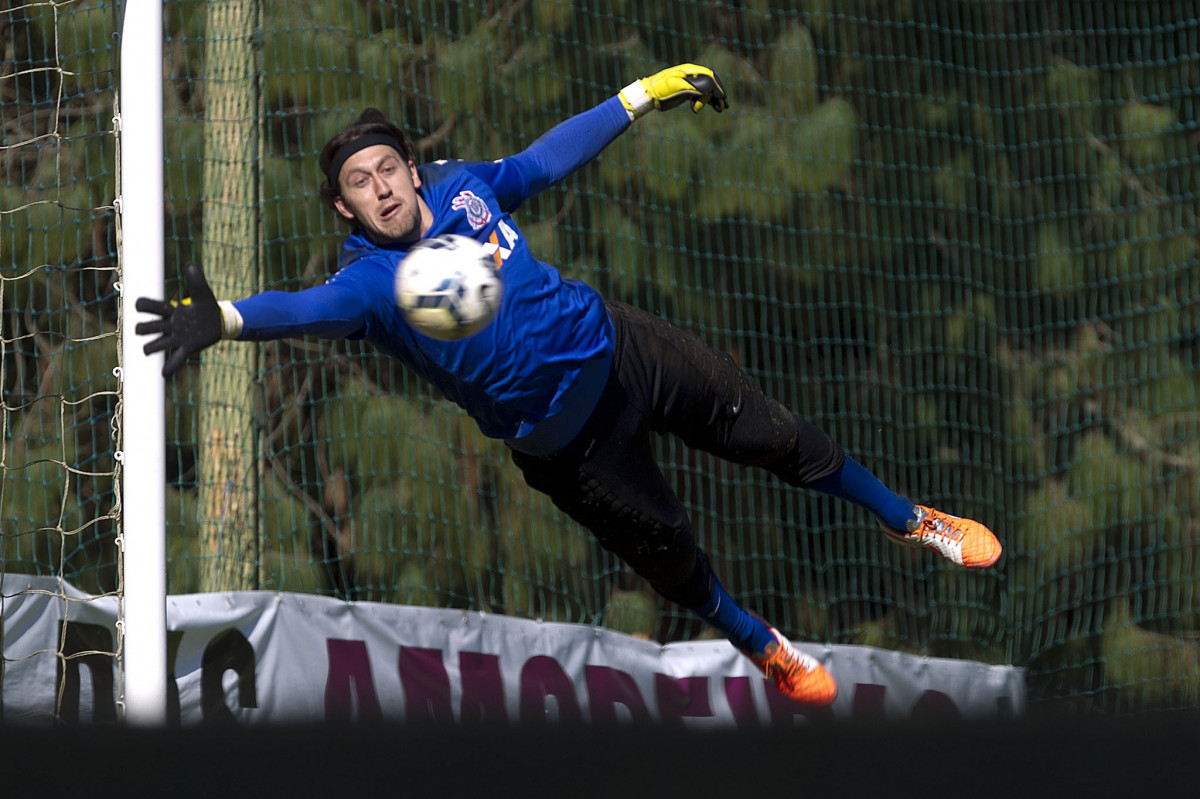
point(59, 304)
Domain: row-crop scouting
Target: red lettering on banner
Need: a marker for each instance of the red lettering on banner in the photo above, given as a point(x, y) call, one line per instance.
point(483, 688)
point(608, 687)
point(686, 697)
point(350, 678)
point(932, 705)
point(547, 692)
point(868, 701)
point(935, 706)
point(426, 685)
point(542, 677)
point(740, 697)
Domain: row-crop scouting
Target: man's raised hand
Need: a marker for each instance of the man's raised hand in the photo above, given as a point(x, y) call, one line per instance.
point(186, 326)
point(672, 87)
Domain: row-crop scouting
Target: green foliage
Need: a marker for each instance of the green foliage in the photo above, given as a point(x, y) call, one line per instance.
point(792, 79)
point(1148, 670)
point(84, 40)
point(369, 435)
point(959, 236)
point(462, 67)
point(1075, 90)
point(632, 612)
point(1146, 130)
point(416, 541)
point(547, 563)
point(1054, 559)
point(184, 557)
point(311, 67)
point(826, 140)
point(43, 526)
point(553, 16)
point(1059, 271)
point(82, 364)
point(284, 517)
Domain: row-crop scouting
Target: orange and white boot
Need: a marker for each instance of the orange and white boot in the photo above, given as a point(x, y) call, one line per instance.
point(964, 542)
point(797, 676)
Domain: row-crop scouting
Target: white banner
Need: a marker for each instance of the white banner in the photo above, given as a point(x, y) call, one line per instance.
point(264, 657)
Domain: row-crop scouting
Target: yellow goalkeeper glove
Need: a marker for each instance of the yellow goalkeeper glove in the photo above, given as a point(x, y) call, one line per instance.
point(672, 87)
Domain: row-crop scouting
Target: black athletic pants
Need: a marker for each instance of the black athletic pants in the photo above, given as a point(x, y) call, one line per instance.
point(665, 380)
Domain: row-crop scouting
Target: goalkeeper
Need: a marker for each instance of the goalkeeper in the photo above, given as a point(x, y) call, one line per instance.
point(573, 384)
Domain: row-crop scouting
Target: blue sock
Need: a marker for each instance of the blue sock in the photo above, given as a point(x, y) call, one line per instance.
point(855, 484)
point(747, 632)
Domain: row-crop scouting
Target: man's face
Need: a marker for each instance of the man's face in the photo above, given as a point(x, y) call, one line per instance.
point(378, 190)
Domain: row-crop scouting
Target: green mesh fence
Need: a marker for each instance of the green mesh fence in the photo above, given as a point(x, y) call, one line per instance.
point(960, 236)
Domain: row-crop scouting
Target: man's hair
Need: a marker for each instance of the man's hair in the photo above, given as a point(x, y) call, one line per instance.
point(371, 121)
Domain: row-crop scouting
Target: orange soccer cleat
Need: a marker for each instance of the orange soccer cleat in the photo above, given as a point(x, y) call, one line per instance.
point(797, 676)
point(962, 541)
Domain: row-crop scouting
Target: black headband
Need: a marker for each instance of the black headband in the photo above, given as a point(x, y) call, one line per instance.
point(353, 146)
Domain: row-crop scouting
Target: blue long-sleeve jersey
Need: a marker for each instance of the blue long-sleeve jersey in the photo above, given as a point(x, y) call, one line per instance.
point(518, 371)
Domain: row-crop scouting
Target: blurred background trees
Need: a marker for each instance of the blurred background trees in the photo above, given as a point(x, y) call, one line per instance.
point(959, 235)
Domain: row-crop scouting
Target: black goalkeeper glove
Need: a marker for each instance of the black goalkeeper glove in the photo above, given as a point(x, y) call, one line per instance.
point(187, 326)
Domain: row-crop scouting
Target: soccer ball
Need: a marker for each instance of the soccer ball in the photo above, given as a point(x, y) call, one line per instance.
point(448, 287)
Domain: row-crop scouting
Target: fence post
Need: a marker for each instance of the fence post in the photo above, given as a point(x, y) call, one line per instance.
point(226, 462)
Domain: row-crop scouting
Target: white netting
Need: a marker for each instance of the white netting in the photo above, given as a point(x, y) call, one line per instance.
point(59, 316)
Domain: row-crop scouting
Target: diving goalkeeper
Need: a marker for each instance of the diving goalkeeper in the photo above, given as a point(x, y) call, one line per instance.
point(575, 385)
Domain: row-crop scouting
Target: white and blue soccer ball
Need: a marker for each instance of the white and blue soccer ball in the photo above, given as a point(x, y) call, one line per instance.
point(448, 287)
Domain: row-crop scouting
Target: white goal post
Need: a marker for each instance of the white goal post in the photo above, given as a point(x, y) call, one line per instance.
point(143, 626)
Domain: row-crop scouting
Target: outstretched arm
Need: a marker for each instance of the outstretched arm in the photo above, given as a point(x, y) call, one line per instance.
point(672, 87)
point(186, 327)
point(575, 141)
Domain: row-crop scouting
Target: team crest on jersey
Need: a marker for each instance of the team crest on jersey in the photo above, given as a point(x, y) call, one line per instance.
point(478, 213)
